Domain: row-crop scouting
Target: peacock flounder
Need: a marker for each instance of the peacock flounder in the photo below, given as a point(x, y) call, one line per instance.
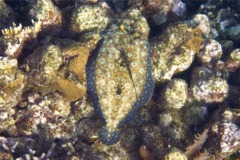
point(119, 74)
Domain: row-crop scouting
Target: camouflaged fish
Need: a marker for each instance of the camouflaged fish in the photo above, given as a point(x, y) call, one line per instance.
point(119, 76)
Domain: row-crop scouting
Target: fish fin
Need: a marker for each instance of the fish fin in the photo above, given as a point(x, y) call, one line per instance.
point(125, 58)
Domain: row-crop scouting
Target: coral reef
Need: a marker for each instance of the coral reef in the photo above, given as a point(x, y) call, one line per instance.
point(194, 114)
point(153, 139)
point(203, 24)
point(73, 73)
point(227, 130)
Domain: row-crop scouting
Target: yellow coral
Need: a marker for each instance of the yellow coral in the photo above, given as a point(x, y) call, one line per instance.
point(12, 30)
point(70, 90)
point(15, 30)
point(14, 38)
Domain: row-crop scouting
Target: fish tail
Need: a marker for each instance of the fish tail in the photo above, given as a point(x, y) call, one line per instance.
point(109, 137)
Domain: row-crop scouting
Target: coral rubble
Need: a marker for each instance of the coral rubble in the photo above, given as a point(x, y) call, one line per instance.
point(74, 75)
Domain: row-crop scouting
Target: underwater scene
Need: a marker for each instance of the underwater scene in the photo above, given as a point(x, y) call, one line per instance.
point(119, 79)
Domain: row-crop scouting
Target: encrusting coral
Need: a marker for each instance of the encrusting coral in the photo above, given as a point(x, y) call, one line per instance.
point(233, 61)
point(208, 87)
point(210, 51)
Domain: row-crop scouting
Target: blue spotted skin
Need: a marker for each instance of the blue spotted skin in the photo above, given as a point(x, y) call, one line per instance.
point(146, 94)
point(90, 76)
point(116, 94)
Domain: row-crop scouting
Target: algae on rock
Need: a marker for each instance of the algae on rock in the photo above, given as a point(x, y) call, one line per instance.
point(54, 71)
point(11, 82)
point(174, 51)
point(49, 14)
point(88, 18)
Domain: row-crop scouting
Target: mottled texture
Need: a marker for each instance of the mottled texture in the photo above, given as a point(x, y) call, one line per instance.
point(15, 37)
point(233, 61)
point(44, 114)
point(210, 51)
point(175, 154)
point(46, 12)
point(207, 87)
point(88, 17)
point(11, 82)
point(203, 23)
point(174, 51)
point(175, 94)
point(61, 69)
point(224, 132)
point(156, 11)
point(153, 138)
point(119, 75)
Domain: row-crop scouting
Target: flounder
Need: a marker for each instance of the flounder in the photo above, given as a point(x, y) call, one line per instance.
point(119, 74)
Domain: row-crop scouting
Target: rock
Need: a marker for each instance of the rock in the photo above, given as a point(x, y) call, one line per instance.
point(210, 51)
point(87, 18)
point(207, 87)
point(175, 94)
point(175, 154)
point(174, 51)
point(233, 61)
point(49, 14)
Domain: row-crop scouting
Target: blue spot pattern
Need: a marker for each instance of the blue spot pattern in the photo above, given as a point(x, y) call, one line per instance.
point(113, 137)
point(145, 96)
point(90, 75)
